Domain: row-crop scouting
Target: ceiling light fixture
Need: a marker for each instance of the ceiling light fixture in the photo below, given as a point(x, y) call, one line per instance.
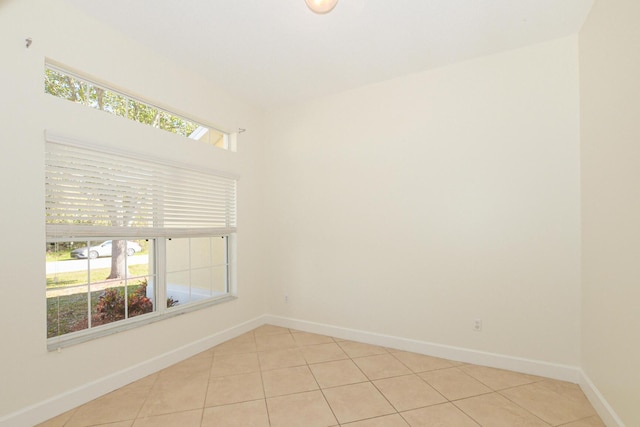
point(321, 6)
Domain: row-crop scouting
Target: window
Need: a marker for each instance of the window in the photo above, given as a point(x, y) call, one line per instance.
point(86, 287)
point(82, 90)
point(131, 240)
point(197, 268)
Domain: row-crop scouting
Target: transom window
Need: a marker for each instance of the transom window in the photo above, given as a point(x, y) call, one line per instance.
point(68, 85)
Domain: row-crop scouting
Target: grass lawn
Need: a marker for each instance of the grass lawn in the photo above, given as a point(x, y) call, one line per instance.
point(73, 278)
point(58, 256)
point(69, 313)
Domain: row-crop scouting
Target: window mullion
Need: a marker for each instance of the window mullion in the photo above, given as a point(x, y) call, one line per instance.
point(126, 279)
point(88, 285)
point(161, 274)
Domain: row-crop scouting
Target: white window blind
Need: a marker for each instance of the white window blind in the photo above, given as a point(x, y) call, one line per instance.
point(91, 191)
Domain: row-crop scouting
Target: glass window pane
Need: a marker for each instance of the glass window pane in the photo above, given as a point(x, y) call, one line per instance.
point(139, 301)
point(177, 255)
point(201, 283)
point(218, 139)
point(176, 124)
point(95, 96)
point(57, 84)
point(201, 252)
point(83, 89)
point(179, 287)
point(115, 104)
point(139, 261)
point(108, 302)
point(141, 276)
point(141, 265)
point(197, 268)
point(67, 312)
point(219, 246)
point(143, 113)
point(220, 281)
point(67, 289)
point(106, 282)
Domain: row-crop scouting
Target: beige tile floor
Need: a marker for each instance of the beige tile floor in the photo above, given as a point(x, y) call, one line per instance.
point(274, 376)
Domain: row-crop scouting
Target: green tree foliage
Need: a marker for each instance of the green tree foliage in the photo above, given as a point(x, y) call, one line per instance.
point(94, 96)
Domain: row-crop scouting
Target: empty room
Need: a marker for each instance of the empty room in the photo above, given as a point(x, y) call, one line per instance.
point(320, 213)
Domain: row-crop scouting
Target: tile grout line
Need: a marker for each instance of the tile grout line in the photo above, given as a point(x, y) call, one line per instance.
point(264, 391)
point(447, 400)
point(453, 402)
point(206, 392)
point(371, 381)
point(74, 412)
point(493, 391)
point(520, 406)
point(320, 388)
point(463, 411)
point(417, 374)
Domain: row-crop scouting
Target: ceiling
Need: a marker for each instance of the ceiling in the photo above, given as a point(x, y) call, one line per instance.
point(277, 52)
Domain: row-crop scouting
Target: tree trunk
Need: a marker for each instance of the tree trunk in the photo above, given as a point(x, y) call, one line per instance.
point(100, 98)
point(118, 256)
point(72, 88)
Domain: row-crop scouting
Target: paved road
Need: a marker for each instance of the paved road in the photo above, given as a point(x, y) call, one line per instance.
point(81, 264)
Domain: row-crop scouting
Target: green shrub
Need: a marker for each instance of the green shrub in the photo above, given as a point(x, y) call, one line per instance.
point(172, 302)
point(111, 302)
point(110, 306)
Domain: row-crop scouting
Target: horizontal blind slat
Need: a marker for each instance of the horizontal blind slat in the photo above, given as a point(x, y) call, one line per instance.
point(89, 192)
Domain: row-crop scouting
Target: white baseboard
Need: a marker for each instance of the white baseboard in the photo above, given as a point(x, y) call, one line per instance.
point(599, 403)
point(527, 366)
point(50, 408)
point(57, 405)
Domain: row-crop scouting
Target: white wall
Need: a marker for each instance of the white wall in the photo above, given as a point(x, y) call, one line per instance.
point(610, 105)
point(414, 206)
point(408, 208)
point(29, 373)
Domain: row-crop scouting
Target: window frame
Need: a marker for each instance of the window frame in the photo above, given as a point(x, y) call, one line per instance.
point(57, 232)
point(160, 311)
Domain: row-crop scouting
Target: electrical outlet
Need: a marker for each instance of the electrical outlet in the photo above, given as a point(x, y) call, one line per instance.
point(477, 325)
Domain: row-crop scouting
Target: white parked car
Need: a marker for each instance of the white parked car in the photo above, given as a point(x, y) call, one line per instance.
point(103, 249)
